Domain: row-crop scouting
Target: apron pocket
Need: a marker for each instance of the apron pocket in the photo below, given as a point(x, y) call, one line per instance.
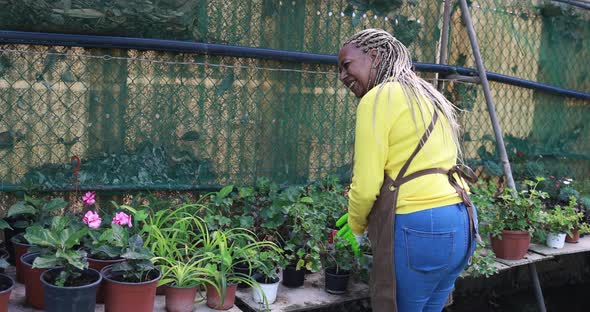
point(429, 252)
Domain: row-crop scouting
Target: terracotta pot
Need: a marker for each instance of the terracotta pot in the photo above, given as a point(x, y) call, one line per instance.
point(573, 239)
point(214, 302)
point(512, 246)
point(125, 297)
point(19, 250)
point(161, 290)
point(98, 265)
point(8, 284)
point(34, 291)
point(180, 299)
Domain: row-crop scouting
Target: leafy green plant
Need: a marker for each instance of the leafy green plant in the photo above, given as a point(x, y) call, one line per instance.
point(307, 234)
point(56, 246)
point(482, 262)
point(34, 211)
point(517, 210)
point(223, 250)
point(182, 273)
point(341, 256)
point(565, 220)
point(267, 263)
point(137, 265)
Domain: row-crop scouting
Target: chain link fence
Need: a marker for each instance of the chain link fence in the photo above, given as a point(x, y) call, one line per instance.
point(179, 121)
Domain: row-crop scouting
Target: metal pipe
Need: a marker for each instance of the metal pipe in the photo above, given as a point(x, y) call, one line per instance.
point(444, 41)
point(21, 37)
point(487, 94)
point(579, 4)
point(497, 133)
point(537, 286)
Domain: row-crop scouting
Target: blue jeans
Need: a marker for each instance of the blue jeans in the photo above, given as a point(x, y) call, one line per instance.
point(431, 250)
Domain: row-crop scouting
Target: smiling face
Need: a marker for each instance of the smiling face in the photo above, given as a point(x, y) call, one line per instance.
point(355, 69)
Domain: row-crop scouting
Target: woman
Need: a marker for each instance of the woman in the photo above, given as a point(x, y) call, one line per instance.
point(406, 188)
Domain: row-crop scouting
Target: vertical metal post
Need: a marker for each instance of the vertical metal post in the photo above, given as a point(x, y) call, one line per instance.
point(486, 92)
point(498, 133)
point(444, 38)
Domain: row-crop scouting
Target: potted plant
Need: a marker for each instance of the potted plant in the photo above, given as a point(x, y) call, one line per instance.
point(72, 286)
point(560, 222)
point(20, 216)
point(578, 226)
point(6, 286)
point(339, 263)
point(131, 283)
point(182, 277)
point(517, 216)
point(267, 269)
point(222, 251)
point(181, 266)
point(307, 232)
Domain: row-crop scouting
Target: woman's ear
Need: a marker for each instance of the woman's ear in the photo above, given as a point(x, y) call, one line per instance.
point(375, 59)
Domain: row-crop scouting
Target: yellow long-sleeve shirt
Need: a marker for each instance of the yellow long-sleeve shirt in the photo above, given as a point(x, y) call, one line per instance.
point(384, 140)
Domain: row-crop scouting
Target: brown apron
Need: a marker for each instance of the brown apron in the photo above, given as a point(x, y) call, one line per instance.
point(381, 223)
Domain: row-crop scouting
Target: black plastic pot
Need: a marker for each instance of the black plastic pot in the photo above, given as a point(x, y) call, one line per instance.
point(293, 278)
point(243, 270)
point(336, 283)
point(71, 299)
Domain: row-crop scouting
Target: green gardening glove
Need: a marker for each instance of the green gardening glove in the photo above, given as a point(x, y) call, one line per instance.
point(346, 233)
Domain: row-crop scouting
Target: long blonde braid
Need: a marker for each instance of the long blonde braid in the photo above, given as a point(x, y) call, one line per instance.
point(395, 65)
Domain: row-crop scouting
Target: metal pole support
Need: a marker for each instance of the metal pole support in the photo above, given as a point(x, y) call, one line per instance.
point(497, 133)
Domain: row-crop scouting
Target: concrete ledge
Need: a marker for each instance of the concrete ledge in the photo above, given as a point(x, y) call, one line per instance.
point(308, 297)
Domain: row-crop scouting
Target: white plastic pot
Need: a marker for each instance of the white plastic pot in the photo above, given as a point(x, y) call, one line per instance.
point(556, 240)
point(270, 290)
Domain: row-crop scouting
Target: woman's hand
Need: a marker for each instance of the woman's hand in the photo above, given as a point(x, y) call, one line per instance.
point(346, 233)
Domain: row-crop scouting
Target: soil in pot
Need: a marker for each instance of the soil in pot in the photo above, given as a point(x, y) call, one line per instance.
point(214, 301)
point(78, 295)
point(34, 291)
point(99, 264)
point(6, 286)
point(574, 238)
point(292, 277)
point(123, 296)
point(336, 281)
point(512, 246)
point(268, 286)
point(20, 247)
point(180, 299)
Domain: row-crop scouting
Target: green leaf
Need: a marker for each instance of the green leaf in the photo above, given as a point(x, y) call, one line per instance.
point(120, 236)
point(76, 258)
point(73, 239)
point(35, 202)
point(46, 262)
point(20, 208)
point(109, 251)
point(137, 255)
point(306, 200)
point(3, 263)
point(54, 204)
point(59, 223)
point(140, 215)
point(224, 191)
point(135, 242)
point(4, 225)
point(39, 236)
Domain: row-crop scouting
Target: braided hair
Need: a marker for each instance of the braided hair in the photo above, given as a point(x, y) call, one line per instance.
point(395, 65)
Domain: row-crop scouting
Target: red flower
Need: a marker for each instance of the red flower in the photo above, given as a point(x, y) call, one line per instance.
point(519, 154)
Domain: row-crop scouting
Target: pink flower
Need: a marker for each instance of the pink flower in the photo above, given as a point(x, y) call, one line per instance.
point(92, 219)
point(122, 218)
point(88, 198)
point(556, 184)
